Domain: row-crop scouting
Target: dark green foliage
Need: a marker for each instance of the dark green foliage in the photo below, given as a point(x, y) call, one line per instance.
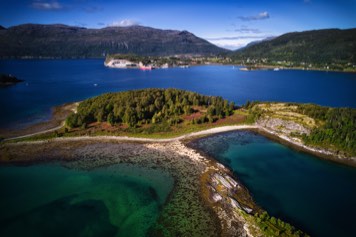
point(338, 129)
point(254, 111)
point(61, 41)
point(272, 226)
point(319, 47)
point(154, 106)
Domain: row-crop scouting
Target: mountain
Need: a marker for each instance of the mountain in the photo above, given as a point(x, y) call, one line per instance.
point(64, 41)
point(259, 41)
point(317, 47)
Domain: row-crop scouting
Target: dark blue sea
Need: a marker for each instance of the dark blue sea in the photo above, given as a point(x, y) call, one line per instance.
point(53, 82)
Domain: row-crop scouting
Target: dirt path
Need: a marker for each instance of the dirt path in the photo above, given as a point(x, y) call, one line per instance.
point(139, 139)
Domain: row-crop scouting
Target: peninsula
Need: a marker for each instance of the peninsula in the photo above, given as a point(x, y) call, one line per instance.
point(8, 80)
point(153, 127)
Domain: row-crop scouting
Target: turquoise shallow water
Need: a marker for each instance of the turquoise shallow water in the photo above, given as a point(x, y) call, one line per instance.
point(50, 200)
point(315, 195)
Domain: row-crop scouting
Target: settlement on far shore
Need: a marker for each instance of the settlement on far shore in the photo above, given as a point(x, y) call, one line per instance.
point(124, 63)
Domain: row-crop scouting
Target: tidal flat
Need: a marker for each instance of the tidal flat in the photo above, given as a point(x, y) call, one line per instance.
point(184, 211)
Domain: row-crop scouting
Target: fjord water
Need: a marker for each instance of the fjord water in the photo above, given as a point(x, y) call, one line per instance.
point(315, 195)
point(53, 82)
point(50, 200)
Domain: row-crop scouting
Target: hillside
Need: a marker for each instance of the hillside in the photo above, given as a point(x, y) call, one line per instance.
point(62, 41)
point(331, 48)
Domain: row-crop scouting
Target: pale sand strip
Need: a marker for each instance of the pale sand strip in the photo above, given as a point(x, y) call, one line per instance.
point(139, 139)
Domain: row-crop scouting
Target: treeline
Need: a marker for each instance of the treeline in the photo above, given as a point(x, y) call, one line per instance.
point(339, 128)
point(272, 226)
point(331, 47)
point(148, 106)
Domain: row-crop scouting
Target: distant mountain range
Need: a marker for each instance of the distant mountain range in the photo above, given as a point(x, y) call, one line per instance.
point(331, 46)
point(62, 41)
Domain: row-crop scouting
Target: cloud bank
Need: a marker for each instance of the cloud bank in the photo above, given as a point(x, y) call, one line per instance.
point(236, 42)
point(47, 6)
point(260, 16)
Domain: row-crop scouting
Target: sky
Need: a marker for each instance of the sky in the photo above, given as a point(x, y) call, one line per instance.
point(227, 23)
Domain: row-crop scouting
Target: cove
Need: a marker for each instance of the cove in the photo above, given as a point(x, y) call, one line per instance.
point(51, 200)
point(315, 195)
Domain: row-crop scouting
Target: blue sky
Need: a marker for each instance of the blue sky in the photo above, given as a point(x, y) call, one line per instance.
point(227, 23)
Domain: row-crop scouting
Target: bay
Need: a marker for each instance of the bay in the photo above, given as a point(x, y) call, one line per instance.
point(317, 196)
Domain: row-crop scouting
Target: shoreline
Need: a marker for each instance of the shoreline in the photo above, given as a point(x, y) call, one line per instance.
point(192, 173)
point(317, 152)
point(283, 139)
point(224, 196)
point(271, 67)
point(55, 122)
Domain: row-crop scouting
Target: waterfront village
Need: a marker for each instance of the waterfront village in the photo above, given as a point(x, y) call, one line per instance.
point(152, 62)
point(185, 61)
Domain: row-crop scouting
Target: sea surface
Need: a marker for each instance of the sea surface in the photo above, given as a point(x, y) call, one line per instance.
point(50, 200)
point(53, 82)
point(317, 196)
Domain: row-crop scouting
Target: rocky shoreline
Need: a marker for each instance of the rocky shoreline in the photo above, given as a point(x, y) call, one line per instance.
point(281, 131)
point(221, 206)
point(202, 186)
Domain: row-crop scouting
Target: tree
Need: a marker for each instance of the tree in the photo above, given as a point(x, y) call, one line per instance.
point(130, 117)
point(111, 119)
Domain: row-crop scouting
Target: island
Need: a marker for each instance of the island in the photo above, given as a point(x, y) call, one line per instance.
point(8, 80)
point(154, 127)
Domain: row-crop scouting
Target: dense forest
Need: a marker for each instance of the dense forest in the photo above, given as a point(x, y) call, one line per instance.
point(148, 106)
point(331, 48)
point(338, 129)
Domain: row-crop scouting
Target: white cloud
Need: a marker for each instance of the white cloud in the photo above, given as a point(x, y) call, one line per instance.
point(233, 42)
point(248, 30)
point(40, 5)
point(237, 38)
point(124, 23)
point(261, 16)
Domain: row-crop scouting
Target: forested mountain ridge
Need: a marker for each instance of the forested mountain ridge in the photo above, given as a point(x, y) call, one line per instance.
point(62, 41)
point(317, 48)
